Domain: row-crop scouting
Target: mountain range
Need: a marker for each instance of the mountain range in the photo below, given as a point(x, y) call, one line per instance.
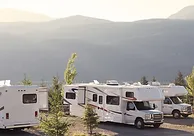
point(15, 15)
point(124, 51)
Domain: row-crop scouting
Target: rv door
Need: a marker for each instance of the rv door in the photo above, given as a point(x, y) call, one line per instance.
point(81, 94)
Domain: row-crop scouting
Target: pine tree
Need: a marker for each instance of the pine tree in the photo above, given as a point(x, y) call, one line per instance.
point(54, 124)
point(154, 79)
point(144, 81)
point(26, 81)
point(43, 84)
point(90, 119)
point(190, 82)
point(70, 72)
point(179, 80)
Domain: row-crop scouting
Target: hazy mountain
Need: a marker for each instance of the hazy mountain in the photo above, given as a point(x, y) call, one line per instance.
point(14, 15)
point(106, 50)
point(186, 13)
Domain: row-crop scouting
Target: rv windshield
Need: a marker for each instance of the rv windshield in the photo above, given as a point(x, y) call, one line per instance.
point(176, 100)
point(145, 105)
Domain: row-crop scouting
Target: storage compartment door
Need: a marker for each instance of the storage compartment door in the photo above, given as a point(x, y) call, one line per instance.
point(81, 94)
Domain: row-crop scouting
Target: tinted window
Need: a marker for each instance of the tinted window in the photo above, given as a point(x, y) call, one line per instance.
point(29, 98)
point(95, 97)
point(70, 95)
point(100, 99)
point(129, 94)
point(167, 101)
point(112, 100)
point(176, 100)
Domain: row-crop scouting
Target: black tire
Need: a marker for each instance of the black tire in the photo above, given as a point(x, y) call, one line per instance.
point(176, 114)
point(185, 116)
point(17, 129)
point(156, 125)
point(139, 123)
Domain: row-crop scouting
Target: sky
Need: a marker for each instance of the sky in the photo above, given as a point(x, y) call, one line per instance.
point(115, 10)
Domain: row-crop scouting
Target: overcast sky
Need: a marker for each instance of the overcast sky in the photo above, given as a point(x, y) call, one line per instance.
point(116, 10)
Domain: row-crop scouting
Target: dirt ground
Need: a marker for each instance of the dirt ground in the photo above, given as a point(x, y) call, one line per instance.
point(171, 127)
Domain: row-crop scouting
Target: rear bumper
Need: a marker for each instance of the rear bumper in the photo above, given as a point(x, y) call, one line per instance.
point(26, 125)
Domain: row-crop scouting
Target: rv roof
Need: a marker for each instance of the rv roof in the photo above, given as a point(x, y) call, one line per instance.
point(118, 86)
point(20, 86)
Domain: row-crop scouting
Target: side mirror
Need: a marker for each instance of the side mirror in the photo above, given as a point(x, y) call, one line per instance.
point(154, 106)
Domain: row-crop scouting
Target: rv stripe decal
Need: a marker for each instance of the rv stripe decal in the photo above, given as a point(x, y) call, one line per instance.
point(2, 108)
point(127, 114)
point(67, 101)
point(100, 90)
point(91, 91)
point(98, 107)
point(81, 105)
point(130, 98)
point(116, 112)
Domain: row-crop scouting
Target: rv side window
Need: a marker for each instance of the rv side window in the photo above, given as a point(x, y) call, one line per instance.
point(95, 97)
point(70, 95)
point(167, 101)
point(130, 106)
point(112, 100)
point(100, 99)
point(29, 98)
point(129, 94)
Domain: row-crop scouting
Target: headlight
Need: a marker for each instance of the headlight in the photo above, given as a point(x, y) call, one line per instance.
point(184, 109)
point(148, 116)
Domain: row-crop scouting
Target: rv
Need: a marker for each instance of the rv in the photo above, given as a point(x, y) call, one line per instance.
point(19, 107)
point(116, 103)
point(172, 105)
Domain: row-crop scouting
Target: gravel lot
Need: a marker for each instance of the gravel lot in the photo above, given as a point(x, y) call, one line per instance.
point(171, 127)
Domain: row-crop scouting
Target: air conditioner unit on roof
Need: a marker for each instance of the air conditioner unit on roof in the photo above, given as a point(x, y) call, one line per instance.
point(112, 82)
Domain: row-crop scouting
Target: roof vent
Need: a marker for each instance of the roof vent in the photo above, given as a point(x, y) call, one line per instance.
point(112, 82)
point(154, 83)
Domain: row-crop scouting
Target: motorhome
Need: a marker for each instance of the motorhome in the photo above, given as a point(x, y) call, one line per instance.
point(172, 105)
point(116, 103)
point(19, 107)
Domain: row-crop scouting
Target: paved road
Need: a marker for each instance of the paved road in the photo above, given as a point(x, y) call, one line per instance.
point(17, 133)
point(126, 130)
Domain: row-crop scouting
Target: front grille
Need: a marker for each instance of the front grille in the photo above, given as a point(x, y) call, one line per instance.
point(157, 117)
point(189, 109)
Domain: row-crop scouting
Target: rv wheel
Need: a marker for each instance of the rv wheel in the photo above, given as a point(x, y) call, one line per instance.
point(17, 129)
point(139, 124)
point(176, 114)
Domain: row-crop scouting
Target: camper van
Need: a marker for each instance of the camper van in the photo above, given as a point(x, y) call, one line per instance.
point(116, 103)
point(172, 105)
point(19, 107)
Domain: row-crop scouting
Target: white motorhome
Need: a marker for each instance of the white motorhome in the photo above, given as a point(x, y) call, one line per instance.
point(172, 105)
point(121, 104)
point(19, 107)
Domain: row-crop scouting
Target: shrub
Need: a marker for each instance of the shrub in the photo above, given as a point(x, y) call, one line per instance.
point(90, 119)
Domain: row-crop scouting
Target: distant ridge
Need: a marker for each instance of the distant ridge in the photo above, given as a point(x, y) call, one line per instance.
point(186, 13)
point(80, 20)
point(15, 15)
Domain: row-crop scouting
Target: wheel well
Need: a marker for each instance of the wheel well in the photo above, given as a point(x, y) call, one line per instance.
point(175, 110)
point(138, 118)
